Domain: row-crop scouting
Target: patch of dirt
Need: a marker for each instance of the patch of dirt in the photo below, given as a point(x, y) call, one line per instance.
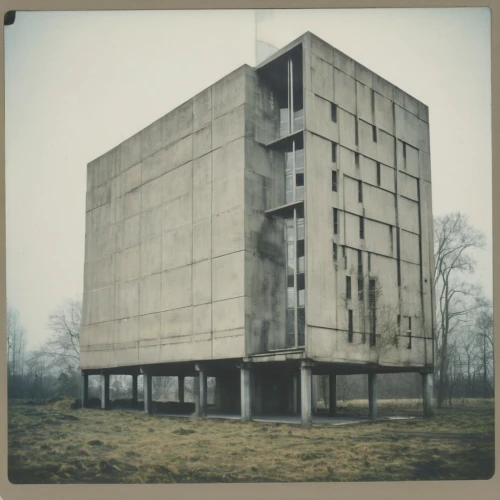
point(183, 431)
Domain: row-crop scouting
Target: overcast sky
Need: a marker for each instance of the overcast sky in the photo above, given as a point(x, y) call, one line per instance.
point(78, 84)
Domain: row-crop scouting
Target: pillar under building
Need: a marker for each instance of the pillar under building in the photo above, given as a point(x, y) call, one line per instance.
point(332, 400)
point(196, 396)
point(246, 389)
point(148, 392)
point(105, 391)
point(305, 396)
point(180, 389)
point(204, 393)
point(134, 391)
point(427, 387)
point(372, 396)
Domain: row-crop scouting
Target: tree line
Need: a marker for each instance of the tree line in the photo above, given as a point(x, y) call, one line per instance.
point(464, 364)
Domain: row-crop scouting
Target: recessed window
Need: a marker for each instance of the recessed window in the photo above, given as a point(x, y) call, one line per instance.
point(398, 255)
point(374, 133)
point(351, 327)
point(335, 252)
point(334, 180)
point(398, 330)
point(361, 295)
point(299, 180)
point(360, 192)
point(344, 256)
point(348, 287)
point(360, 262)
point(409, 332)
point(369, 261)
point(334, 112)
point(404, 150)
point(362, 228)
point(356, 131)
point(373, 316)
point(335, 221)
point(378, 173)
point(334, 152)
point(356, 159)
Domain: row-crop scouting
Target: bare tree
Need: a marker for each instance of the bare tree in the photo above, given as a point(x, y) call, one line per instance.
point(63, 347)
point(346, 386)
point(454, 239)
point(16, 341)
point(483, 329)
point(16, 345)
point(39, 375)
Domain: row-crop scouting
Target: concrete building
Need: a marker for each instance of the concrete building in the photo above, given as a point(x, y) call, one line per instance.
point(275, 227)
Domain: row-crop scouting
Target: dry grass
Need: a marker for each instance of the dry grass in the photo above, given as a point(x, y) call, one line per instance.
point(53, 444)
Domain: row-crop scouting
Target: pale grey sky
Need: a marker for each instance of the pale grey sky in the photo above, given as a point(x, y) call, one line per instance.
point(77, 84)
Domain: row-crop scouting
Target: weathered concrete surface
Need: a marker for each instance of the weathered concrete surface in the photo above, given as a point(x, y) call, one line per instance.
point(183, 264)
point(305, 394)
point(387, 159)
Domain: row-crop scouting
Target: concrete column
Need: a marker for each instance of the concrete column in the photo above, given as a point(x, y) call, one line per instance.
point(180, 388)
point(196, 396)
point(85, 390)
point(305, 396)
point(134, 390)
point(203, 393)
point(295, 394)
point(372, 396)
point(314, 394)
point(246, 388)
point(332, 387)
point(148, 392)
point(427, 387)
point(105, 391)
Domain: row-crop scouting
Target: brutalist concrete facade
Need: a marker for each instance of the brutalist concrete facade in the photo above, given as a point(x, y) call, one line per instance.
point(275, 227)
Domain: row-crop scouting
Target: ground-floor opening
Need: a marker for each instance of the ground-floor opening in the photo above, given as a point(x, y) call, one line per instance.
point(295, 391)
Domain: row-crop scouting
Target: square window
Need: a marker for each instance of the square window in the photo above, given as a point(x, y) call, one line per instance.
point(334, 112)
point(409, 332)
point(361, 295)
point(351, 327)
point(348, 287)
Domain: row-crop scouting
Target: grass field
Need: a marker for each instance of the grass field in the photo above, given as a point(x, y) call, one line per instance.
point(51, 443)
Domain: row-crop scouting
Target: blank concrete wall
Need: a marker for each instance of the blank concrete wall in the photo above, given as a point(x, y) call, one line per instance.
point(165, 213)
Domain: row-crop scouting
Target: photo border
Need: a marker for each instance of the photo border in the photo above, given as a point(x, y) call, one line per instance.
point(409, 490)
